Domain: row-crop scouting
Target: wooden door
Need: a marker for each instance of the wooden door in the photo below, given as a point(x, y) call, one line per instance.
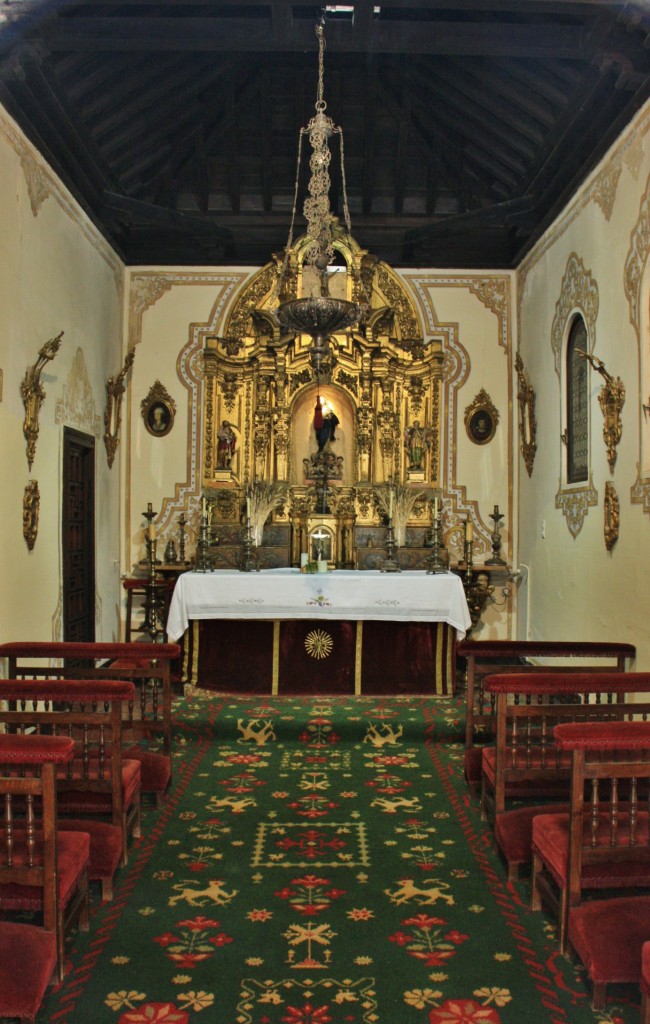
point(78, 526)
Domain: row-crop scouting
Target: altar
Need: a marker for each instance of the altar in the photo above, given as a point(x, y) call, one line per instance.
point(345, 632)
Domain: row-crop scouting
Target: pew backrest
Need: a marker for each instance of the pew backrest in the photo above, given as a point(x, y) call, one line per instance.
point(89, 712)
point(486, 657)
point(147, 666)
point(527, 709)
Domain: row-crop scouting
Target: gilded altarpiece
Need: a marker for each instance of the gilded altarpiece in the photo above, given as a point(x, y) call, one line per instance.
point(332, 440)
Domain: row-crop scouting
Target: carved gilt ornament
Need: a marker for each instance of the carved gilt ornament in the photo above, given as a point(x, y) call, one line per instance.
point(33, 394)
point(115, 388)
point(612, 510)
point(527, 420)
point(31, 510)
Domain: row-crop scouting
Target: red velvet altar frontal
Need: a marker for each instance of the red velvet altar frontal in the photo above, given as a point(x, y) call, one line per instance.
point(307, 656)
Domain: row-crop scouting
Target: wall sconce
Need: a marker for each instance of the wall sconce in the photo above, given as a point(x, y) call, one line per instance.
point(115, 388)
point(611, 400)
point(33, 394)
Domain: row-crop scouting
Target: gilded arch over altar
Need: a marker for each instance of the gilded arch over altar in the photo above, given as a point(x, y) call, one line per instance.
point(383, 377)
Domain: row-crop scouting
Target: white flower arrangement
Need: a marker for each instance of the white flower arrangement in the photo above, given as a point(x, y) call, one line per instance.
point(261, 499)
point(397, 502)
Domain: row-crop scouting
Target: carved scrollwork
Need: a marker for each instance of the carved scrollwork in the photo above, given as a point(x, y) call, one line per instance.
point(115, 388)
point(612, 510)
point(31, 510)
point(33, 394)
point(527, 420)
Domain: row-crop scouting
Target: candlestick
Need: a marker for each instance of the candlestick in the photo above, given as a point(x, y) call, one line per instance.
point(496, 510)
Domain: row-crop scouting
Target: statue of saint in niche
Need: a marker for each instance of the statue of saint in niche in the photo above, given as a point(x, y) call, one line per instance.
point(226, 443)
point(325, 424)
point(417, 440)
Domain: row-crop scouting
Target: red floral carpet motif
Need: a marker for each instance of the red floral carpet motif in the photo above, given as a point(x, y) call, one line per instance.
point(320, 862)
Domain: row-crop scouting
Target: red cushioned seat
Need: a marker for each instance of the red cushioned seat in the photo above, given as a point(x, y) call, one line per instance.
point(27, 962)
point(513, 832)
point(551, 842)
point(155, 769)
point(525, 787)
point(608, 936)
point(73, 854)
point(80, 801)
point(105, 850)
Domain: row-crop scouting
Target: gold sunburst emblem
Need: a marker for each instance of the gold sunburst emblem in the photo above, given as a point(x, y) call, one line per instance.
point(318, 644)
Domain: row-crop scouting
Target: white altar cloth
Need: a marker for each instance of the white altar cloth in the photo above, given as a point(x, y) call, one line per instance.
point(345, 594)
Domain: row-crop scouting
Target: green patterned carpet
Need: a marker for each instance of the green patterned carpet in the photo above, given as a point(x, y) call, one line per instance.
point(320, 862)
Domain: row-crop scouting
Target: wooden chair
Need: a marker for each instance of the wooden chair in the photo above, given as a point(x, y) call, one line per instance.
point(41, 869)
point(98, 781)
point(147, 666)
point(487, 657)
point(524, 764)
point(602, 844)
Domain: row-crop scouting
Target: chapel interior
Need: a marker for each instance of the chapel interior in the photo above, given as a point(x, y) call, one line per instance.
point(484, 411)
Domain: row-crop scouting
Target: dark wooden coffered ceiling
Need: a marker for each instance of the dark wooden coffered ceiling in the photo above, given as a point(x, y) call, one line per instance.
point(467, 125)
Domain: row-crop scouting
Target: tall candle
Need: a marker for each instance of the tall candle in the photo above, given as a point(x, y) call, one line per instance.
point(248, 508)
point(469, 532)
point(151, 531)
point(203, 505)
point(435, 508)
point(390, 504)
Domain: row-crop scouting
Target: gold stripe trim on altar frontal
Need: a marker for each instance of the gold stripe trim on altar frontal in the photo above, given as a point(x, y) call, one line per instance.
point(357, 658)
point(275, 679)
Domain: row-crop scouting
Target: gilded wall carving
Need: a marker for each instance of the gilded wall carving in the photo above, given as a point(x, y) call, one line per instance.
point(575, 504)
point(36, 181)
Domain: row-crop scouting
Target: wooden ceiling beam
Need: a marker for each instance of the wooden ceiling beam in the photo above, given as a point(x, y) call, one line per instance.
point(266, 140)
point(232, 147)
point(248, 35)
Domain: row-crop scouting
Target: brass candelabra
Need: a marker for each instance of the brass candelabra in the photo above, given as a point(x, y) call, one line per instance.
point(390, 563)
point(496, 558)
point(438, 560)
point(249, 557)
point(203, 559)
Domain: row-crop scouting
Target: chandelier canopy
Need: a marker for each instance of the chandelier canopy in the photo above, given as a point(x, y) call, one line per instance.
point(319, 316)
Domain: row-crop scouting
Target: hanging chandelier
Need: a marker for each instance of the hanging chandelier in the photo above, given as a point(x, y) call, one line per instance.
point(319, 316)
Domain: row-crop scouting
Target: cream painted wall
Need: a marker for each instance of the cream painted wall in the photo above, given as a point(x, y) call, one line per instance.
point(577, 589)
point(56, 274)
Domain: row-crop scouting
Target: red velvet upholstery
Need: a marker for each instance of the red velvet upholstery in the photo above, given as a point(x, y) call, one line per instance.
point(148, 666)
point(40, 868)
point(155, 769)
point(603, 843)
point(105, 850)
point(92, 651)
point(98, 781)
point(27, 962)
point(608, 936)
point(553, 683)
point(513, 832)
point(73, 854)
point(487, 657)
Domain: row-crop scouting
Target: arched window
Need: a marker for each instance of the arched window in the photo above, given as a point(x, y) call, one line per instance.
point(577, 403)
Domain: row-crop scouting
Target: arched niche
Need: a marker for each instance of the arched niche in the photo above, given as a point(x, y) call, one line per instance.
point(303, 437)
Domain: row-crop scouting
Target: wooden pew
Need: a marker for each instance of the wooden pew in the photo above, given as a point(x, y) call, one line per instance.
point(98, 781)
point(42, 869)
point(608, 934)
point(524, 763)
point(486, 657)
point(147, 666)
